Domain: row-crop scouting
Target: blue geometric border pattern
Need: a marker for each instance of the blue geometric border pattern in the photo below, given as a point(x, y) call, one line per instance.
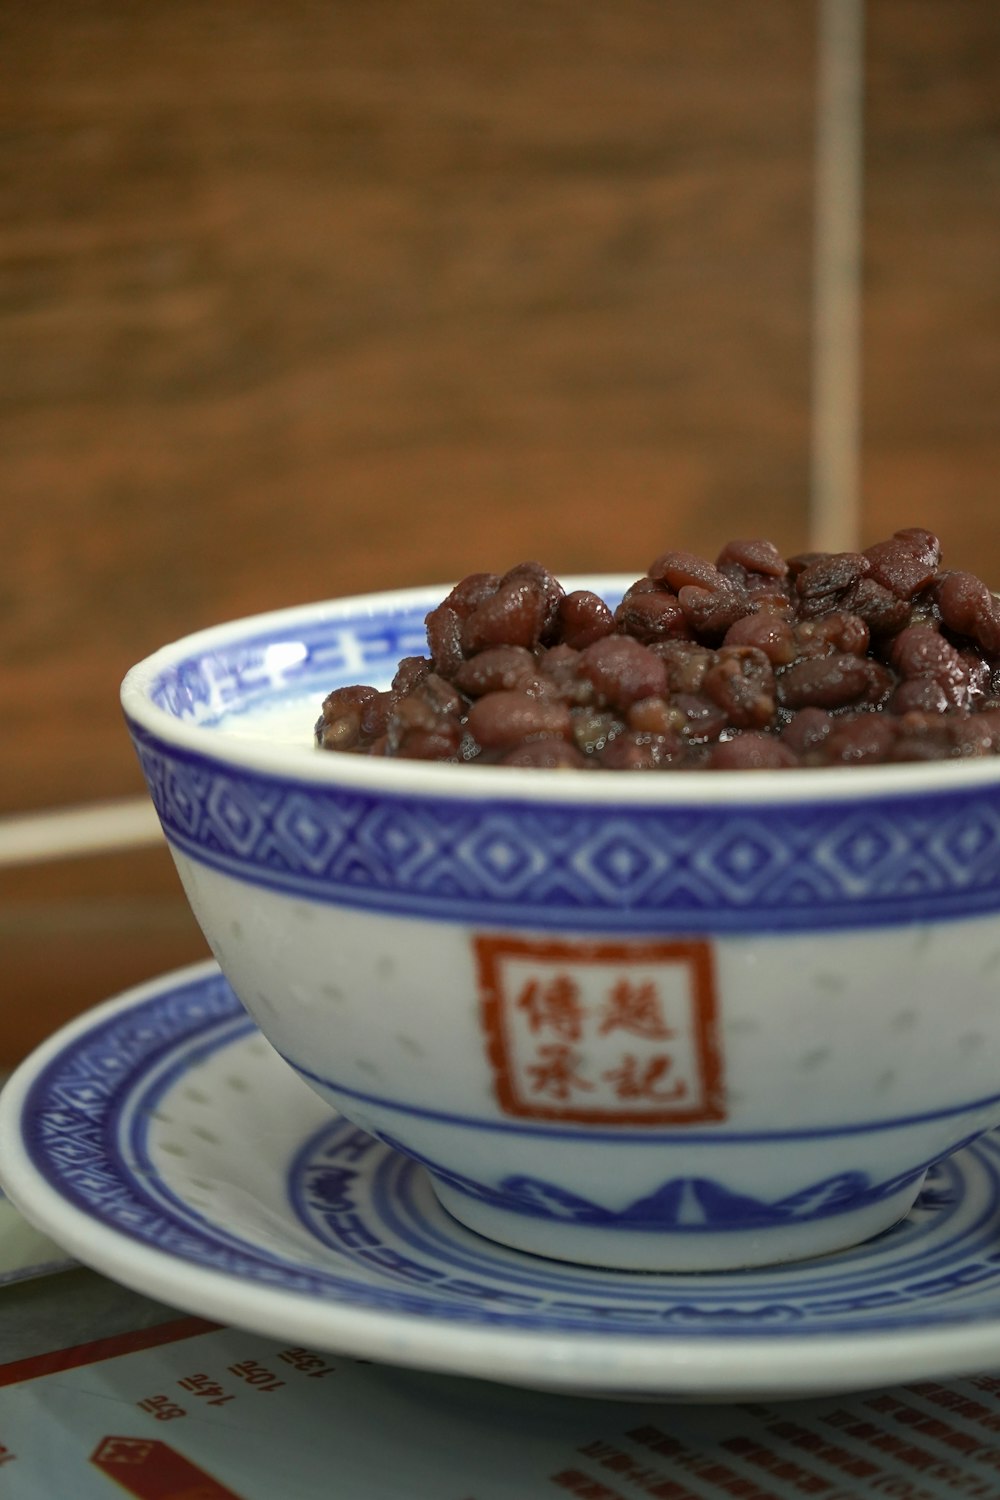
point(323, 654)
point(392, 1249)
point(682, 1205)
point(806, 866)
point(920, 1273)
point(645, 1135)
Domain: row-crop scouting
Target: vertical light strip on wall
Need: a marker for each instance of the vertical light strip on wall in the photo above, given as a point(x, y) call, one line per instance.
point(835, 494)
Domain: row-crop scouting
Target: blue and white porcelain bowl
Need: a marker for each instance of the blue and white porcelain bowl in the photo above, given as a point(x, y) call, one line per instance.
point(676, 1021)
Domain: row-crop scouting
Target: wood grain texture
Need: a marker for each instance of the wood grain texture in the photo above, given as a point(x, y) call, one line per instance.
point(299, 299)
point(75, 932)
point(932, 286)
point(304, 299)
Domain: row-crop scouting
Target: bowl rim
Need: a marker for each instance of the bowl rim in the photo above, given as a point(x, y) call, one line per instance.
point(396, 777)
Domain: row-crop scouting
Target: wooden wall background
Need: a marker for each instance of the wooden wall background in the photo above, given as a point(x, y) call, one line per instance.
point(302, 298)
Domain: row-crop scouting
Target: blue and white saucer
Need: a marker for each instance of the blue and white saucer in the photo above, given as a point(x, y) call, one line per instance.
point(162, 1141)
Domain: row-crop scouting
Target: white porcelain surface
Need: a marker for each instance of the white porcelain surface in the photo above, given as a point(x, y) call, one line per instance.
point(161, 1141)
point(667, 1020)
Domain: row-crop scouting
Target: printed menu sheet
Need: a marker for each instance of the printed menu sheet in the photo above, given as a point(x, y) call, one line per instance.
point(191, 1411)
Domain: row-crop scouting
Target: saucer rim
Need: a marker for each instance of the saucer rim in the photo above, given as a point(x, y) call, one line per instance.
point(574, 1362)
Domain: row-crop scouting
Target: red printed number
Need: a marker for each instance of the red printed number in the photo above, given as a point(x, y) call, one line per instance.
point(256, 1375)
point(162, 1408)
point(205, 1387)
point(312, 1365)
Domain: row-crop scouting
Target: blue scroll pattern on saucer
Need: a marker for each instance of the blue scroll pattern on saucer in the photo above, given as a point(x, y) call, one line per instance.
point(134, 1121)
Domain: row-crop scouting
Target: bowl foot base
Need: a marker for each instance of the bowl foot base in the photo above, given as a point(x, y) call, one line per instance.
point(688, 1249)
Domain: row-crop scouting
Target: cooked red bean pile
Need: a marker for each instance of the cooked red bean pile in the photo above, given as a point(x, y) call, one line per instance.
point(754, 661)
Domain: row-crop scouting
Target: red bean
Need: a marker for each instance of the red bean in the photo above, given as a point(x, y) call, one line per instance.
point(679, 568)
point(977, 734)
point(768, 633)
point(632, 751)
point(977, 672)
point(507, 717)
point(653, 615)
point(903, 564)
point(655, 716)
point(924, 544)
point(339, 724)
point(593, 728)
point(494, 668)
point(561, 666)
point(824, 681)
point(751, 662)
point(427, 717)
point(963, 599)
point(877, 606)
point(756, 556)
point(922, 694)
point(921, 651)
point(742, 684)
point(547, 585)
point(411, 671)
point(686, 664)
point(701, 721)
point(801, 560)
point(439, 743)
point(711, 612)
point(752, 751)
point(911, 747)
point(584, 618)
point(514, 616)
point(623, 670)
point(881, 683)
point(441, 697)
point(968, 608)
point(375, 714)
point(806, 730)
point(545, 755)
point(838, 631)
point(829, 576)
point(762, 591)
point(444, 639)
point(861, 739)
point(471, 592)
point(645, 585)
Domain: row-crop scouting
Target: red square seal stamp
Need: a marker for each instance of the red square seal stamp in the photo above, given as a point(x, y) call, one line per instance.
point(603, 1033)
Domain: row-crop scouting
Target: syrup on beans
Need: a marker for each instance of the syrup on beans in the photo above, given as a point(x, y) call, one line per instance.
point(752, 662)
